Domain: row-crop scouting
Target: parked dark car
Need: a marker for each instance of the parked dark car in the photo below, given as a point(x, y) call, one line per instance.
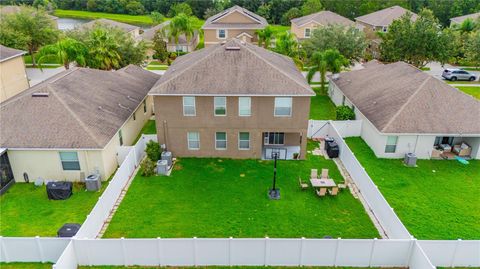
point(458, 74)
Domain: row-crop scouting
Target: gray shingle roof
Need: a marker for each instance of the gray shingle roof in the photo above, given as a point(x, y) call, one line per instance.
point(399, 98)
point(7, 53)
point(385, 16)
point(148, 34)
point(5, 10)
point(85, 108)
point(460, 19)
point(324, 18)
point(110, 23)
point(233, 68)
point(258, 22)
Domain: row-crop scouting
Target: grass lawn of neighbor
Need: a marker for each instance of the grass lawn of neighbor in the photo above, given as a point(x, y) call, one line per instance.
point(210, 197)
point(321, 107)
point(439, 199)
point(79, 14)
point(462, 82)
point(26, 210)
point(25, 265)
point(148, 128)
point(473, 91)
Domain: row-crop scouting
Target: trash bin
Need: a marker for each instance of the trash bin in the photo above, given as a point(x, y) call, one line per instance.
point(328, 140)
point(162, 167)
point(332, 149)
point(167, 155)
point(68, 230)
point(93, 183)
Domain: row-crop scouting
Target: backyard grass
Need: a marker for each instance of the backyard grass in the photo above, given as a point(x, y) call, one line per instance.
point(439, 199)
point(321, 107)
point(210, 197)
point(26, 210)
point(157, 67)
point(279, 29)
point(78, 14)
point(148, 128)
point(25, 265)
point(48, 60)
point(473, 91)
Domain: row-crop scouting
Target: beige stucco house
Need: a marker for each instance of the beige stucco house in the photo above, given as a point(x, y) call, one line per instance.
point(380, 20)
point(234, 22)
point(13, 77)
point(303, 27)
point(72, 124)
point(248, 103)
point(133, 30)
point(405, 110)
point(183, 44)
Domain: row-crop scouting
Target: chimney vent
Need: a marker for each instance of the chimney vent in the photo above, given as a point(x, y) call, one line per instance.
point(40, 94)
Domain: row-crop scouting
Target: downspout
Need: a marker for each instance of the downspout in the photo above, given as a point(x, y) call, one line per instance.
point(165, 136)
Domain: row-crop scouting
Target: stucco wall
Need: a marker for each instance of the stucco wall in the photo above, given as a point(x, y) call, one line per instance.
point(210, 35)
point(170, 109)
point(299, 32)
point(236, 17)
point(13, 78)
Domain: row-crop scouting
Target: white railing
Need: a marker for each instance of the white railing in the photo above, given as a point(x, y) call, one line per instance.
point(452, 253)
point(100, 212)
point(379, 206)
point(347, 128)
point(31, 249)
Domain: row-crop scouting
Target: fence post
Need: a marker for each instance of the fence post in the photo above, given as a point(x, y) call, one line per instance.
point(159, 249)
point(195, 251)
point(371, 251)
point(300, 260)
point(414, 240)
point(2, 244)
point(39, 247)
point(336, 251)
point(459, 241)
point(230, 239)
point(267, 251)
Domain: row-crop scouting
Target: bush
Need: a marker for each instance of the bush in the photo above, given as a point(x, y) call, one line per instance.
point(148, 168)
point(344, 113)
point(153, 151)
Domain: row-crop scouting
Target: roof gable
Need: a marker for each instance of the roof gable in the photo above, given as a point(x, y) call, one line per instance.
point(460, 19)
point(235, 17)
point(7, 53)
point(324, 17)
point(385, 17)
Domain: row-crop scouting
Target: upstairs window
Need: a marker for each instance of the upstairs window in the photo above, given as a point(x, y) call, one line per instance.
point(244, 106)
point(222, 33)
point(220, 106)
point(283, 107)
point(189, 106)
point(307, 32)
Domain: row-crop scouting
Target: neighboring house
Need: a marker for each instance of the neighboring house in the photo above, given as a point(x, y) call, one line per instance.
point(133, 30)
point(380, 20)
point(405, 110)
point(303, 27)
point(13, 77)
point(181, 46)
point(72, 124)
point(459, 20)
point(5, 10)
point(235, 22)
point(233, 100)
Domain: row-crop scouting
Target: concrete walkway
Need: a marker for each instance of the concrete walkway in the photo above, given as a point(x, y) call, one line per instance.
point(35, 75)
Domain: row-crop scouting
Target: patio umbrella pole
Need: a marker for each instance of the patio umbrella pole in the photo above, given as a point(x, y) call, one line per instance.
point(274, 193)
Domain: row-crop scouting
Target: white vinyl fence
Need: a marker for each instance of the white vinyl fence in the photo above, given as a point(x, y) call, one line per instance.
point(452, 253)
point(347, 128)
point(31, 249)
point(100, 212)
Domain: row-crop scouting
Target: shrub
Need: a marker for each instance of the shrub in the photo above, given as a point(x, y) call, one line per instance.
point(153, 151)
point(148, 168)
point(344, 113)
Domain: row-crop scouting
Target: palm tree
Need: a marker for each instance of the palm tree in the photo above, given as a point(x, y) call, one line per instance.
point(466, 26)
point(102, 50)
point(64, 51)
point(181, 24)
point(328, 60)
point(265, 36)
point(287, 44)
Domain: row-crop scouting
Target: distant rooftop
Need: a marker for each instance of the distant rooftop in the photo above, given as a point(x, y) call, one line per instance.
point(110, 23)
point(7, 53)
point(385, 16)
point(324, 17)
point(460, 19)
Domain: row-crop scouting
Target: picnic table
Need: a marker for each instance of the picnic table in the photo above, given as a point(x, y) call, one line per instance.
point(322, 183)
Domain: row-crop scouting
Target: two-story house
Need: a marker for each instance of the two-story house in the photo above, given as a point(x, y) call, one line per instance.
point(233, 100)
point(303, 27)
point(13, 77)
point(234, 22)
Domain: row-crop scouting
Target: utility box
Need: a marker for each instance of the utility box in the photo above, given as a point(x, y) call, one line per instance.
point(162, 167)
point(410, 159)
point(68, 230)
point(93, 183)
point(167, 155)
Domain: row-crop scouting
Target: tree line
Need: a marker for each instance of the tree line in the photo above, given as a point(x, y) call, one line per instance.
point(273, 10)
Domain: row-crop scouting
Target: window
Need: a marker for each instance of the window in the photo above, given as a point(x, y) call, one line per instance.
point(283, 106)
point(391, 145)
point(189, 106)
point(144, 106)
point(69, 161)
point(274, 138)
point(384, 29)
point(193, 140)
point(120, 137)
point(220, 106)
point(222, 33)
point(307, 32)
point(244, 106)
point(220, 140)
point(353, 108)
point(343, 100)
point(244, 140)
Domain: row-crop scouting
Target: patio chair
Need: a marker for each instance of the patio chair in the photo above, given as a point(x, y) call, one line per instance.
point(303, 185)
point(333, 191)
point(324, 173)
point(314, 173)
point(321, 192)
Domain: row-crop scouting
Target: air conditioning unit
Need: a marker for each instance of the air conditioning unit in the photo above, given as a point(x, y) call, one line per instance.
point(162, 167)
point(93, 182)
point(167, 155)
point(410, 159)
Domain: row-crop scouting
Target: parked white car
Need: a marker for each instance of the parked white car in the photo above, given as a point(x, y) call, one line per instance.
point(458, 74)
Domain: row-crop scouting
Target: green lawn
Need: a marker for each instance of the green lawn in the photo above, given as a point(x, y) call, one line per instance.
point(462, 82)
point(278, 29)
point(148, 128)
point(473, 91)
point(471, 68)
point(439, 199)
point(25, 265)
point(321, 107)
point(223, 267)
point(26, 210)
point(157, 67)
point(134, 19)
point(209, 197)
point(48, 60)
point(425, 68)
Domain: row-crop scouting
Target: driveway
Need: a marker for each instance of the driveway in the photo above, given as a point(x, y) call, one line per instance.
point(436, 70)
point(35, 75)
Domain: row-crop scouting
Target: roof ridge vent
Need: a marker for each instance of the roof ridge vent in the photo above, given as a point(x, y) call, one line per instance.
point(124, 107)
point(40, 94)
point(131, 98)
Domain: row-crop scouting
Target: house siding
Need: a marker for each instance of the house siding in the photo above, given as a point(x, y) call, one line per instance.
point(13, 78)
point(299, 32)
point(210, 35)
